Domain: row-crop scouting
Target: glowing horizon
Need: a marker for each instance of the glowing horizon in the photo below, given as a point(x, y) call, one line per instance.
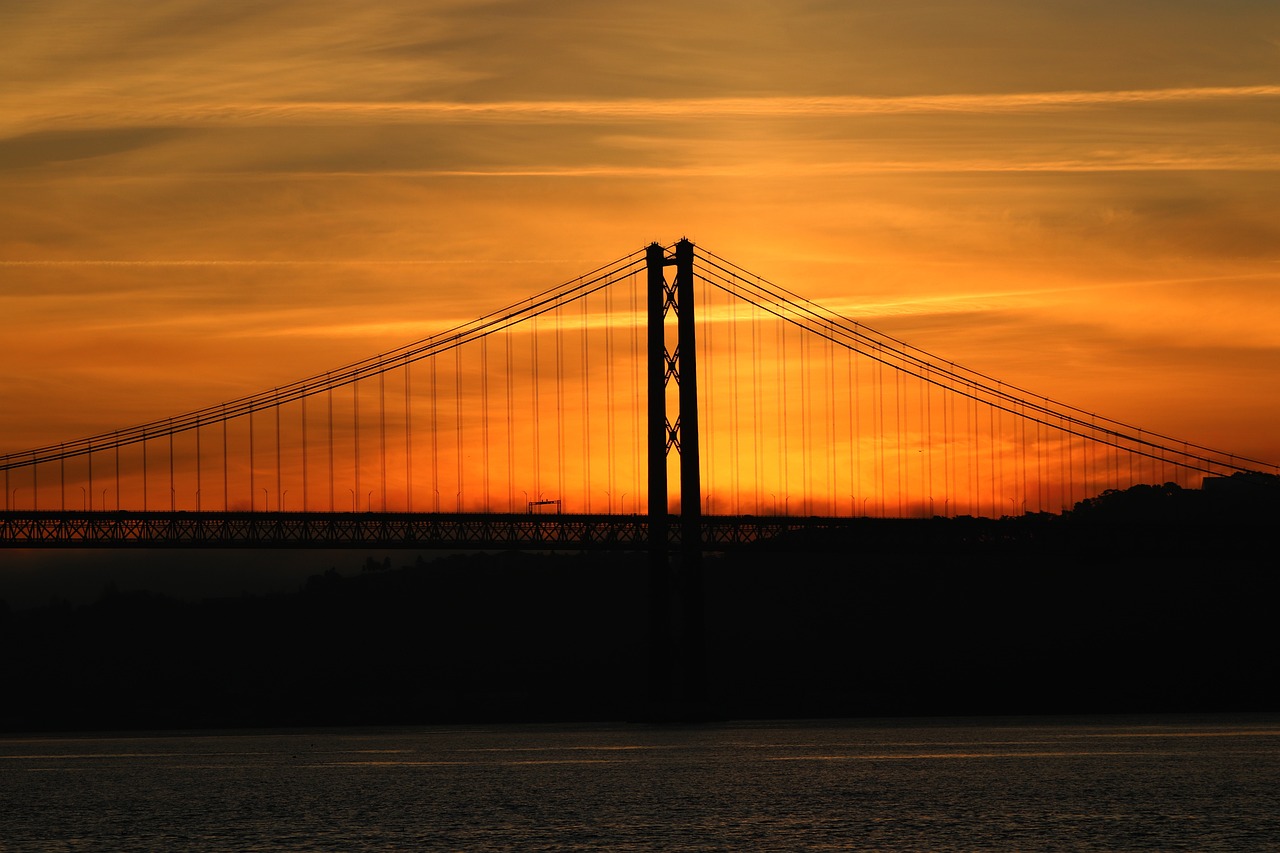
point(553, 409)
point(200, 203)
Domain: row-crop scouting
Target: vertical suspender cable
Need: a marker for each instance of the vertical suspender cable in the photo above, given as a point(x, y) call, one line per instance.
point(735, 392)
point(1069, 440)
point(435, 442)
point(1062, 458)
point(927, 389)
point(708, 435)
point(976, 482)
point(1129, 456)
point(511, 479)
point(560, 425)
point(408, 437)
point(303, 419)
point(1089, 450)
point(382, 435)
point(879, 419)
point(226, 480)
point(279, 476)
point(537, 414)
point(1109, 461)
point(900, 422)
point(329, 444)
point(457, 420)
point(829, 347)
point(991, 460)
point(144, 471)
point(637, 437)
point(851, 404)
point(1041, 469)
point(784, 422)
point(805, 425)
point(855, 430)
point(586, 409)
point(608, 398)
point(948, 458)
point(1022, 454)
point(355, 420)
point(305, 478)
point(923, 439)
point(756, 407)
point(484, 423)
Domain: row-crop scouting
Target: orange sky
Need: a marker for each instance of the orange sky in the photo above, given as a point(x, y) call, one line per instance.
point(200, 200)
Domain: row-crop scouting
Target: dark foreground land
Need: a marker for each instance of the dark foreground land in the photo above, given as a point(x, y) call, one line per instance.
point(1119, 608)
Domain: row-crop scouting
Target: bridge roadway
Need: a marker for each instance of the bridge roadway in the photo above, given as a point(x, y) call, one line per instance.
point(462, 531)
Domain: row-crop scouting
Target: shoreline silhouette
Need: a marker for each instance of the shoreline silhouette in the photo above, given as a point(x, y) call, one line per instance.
point(1151, 600)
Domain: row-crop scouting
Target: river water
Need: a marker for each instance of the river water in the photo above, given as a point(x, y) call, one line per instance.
point(1106, 784)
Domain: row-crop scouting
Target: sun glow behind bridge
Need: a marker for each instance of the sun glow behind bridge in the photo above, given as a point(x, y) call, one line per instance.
point(804, 412)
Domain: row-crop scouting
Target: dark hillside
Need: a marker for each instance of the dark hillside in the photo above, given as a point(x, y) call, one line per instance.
point(1138, 602)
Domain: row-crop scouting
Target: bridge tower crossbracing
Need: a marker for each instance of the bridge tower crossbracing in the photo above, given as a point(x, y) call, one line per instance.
point(676, 598)
point(664, 365)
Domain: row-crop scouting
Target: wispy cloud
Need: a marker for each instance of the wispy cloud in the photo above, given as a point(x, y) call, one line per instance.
point(763, 168)
point(783, 106)
point(142, 112)
point(373, 262)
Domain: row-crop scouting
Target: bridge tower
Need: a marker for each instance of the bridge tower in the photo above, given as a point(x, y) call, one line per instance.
point(678, 671)
point(664, 365)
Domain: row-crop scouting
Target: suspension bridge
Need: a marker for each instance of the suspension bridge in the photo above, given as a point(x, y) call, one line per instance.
point(668, 400)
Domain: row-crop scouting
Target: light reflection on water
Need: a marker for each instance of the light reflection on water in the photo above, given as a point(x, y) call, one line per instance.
point(1113, 785)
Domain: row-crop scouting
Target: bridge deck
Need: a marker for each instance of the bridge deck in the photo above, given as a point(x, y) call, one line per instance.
point(466, 531)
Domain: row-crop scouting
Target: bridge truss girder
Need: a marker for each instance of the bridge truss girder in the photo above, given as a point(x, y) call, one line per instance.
point(424, 531)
